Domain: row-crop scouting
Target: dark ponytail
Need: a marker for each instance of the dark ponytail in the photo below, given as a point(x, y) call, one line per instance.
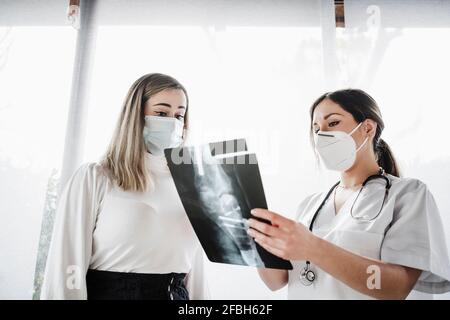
point(362, 106)
point(385, 158)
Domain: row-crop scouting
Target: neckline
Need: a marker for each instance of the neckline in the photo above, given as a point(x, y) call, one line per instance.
point(156, 163)
point(336, 212)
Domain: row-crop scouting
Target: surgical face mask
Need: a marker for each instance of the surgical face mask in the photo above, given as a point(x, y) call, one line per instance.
point(337, 150)
point(161, 133)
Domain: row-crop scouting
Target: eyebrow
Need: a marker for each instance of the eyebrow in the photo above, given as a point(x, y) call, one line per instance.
point(329, 115)
point(168, 105)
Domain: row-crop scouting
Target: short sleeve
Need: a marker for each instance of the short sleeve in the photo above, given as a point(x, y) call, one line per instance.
point(196, 283)
point(71, 242)
point(416, 239)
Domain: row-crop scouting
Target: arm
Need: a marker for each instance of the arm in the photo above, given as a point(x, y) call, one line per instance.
point(285, 237)
point(273, 278)
point(71, 244)
point(396, 281)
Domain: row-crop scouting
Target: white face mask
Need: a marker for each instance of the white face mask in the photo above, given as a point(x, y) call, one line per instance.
point(337, 149)
point(161, 133)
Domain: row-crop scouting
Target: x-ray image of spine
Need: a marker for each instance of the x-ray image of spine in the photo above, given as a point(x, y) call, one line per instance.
point(218, 193)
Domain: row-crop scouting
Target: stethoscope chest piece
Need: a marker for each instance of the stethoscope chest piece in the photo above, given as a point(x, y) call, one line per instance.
point(307, 276)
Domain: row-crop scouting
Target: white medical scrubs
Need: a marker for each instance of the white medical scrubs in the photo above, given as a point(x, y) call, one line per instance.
point(100, 226)
point(407, 232)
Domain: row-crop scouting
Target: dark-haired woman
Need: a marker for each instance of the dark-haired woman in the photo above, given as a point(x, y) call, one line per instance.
point(373, 234)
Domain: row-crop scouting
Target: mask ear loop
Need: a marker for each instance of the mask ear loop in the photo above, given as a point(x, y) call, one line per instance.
point(362, 144)
point(365, 140)
point(356, 128)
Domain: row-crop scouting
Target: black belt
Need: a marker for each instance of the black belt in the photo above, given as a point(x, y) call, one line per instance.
point(110, 285)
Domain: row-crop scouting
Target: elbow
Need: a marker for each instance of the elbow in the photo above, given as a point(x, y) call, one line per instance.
point(399, 284)
point(275, 286)
point(402, 296)
point(402, 293)
point(404, 287)
point(389, 294)
point(274, 279)
point(398, 293)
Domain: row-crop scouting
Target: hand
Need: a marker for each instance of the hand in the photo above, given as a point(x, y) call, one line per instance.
point(285, 238)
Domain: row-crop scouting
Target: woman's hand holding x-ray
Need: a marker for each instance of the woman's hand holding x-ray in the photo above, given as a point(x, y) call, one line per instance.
point(285, 238)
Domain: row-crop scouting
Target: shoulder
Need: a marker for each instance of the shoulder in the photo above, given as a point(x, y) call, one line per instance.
point(90, 169)
point(92, 174)
point(412, 198)
point(406, 185)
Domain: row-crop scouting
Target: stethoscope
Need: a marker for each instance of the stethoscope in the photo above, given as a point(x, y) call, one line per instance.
point(307, 276)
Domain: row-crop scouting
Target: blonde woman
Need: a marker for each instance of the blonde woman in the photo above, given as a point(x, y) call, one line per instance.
point(120, 229)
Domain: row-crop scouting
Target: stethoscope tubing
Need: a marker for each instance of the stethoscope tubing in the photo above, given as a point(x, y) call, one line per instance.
point(380, 175)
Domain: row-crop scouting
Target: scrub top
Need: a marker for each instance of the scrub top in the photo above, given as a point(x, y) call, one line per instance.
point(408, 231)
point(100, 226)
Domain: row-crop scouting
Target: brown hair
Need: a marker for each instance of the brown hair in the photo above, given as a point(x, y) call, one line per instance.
point(362, 106)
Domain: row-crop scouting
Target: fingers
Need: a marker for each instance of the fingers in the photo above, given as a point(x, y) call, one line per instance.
point(265, 214)
point(266, 228)
point(261, 238)
point(272, 245)
point(274, 218)
point(274, 251)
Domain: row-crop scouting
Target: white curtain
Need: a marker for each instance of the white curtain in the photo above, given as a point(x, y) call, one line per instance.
point(252, 68)
point(36, 64)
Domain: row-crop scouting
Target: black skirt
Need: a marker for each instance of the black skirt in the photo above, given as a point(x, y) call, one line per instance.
point(108, 285)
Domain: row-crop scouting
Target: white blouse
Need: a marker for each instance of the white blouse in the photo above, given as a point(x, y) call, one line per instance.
point(100, 226)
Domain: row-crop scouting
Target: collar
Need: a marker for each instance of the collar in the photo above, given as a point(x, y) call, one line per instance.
point(156, 163)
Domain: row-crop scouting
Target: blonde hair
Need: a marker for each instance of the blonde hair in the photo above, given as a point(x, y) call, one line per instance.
point(125, 156)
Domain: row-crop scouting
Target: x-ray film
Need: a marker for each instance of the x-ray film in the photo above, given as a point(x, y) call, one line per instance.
point(218, 184)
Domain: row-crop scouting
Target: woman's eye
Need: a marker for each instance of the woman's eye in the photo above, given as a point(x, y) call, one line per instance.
point(180, 117)
point(333, 123)
point(161, 113)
